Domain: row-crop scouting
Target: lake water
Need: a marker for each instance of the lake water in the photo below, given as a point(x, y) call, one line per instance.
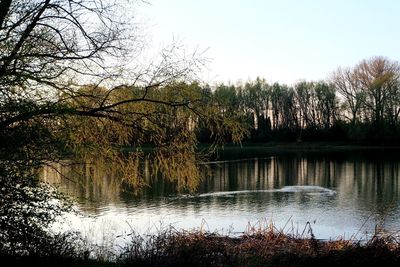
point(343, 193)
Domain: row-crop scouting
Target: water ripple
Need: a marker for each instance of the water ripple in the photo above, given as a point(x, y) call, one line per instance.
point(306, 189)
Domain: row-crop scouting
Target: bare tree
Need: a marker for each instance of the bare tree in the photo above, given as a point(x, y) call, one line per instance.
point(326, 104)
point(379, 79)
point(372, 88)
point(347, 85)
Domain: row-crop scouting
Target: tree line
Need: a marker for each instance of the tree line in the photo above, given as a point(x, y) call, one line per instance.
point(358, 104)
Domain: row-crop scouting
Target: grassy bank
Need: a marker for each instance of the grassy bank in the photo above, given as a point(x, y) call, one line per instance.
point(260, 248)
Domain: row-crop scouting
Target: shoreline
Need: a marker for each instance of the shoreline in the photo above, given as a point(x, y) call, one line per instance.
point(259, 247)
point(307, 145)
point(307, 149)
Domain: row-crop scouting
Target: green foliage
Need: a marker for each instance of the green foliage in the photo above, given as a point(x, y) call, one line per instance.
point(166, 117)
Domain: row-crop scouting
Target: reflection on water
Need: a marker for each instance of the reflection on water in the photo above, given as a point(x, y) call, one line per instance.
point(342, 194)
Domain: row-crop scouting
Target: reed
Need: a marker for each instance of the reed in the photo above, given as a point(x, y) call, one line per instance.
point(262, 244)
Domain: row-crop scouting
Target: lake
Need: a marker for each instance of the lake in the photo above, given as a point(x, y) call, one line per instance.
point(342, 193)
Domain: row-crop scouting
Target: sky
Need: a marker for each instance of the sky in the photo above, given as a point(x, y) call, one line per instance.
point(282, 41)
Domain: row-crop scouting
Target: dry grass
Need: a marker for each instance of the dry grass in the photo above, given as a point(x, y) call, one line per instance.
point(259, 246)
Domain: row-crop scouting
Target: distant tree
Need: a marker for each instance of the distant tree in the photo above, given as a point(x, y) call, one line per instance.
point(379, 79)
point(227, 98)
point(275, 97)
point(307, 102)
point(371, 89)
point(326, 104)
point(348, 86)
point(254, 99)
point(229, 104)
point(288, 106)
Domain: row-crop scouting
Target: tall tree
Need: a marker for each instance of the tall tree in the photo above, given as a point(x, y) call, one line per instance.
point(326, 104)
point(371, 89)
point(379, 79)
point(49, 50)
point(348, 86)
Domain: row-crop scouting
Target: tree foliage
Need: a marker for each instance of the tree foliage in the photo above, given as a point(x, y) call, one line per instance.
point(59, 86)
point(65, 91)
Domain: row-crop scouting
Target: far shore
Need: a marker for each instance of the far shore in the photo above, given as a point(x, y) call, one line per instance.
point(261, 149)
point(304, 146)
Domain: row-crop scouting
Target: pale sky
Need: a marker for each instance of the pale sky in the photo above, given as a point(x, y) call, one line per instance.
point(283, 41)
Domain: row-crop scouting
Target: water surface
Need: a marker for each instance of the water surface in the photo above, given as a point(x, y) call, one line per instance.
point(346, 193)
